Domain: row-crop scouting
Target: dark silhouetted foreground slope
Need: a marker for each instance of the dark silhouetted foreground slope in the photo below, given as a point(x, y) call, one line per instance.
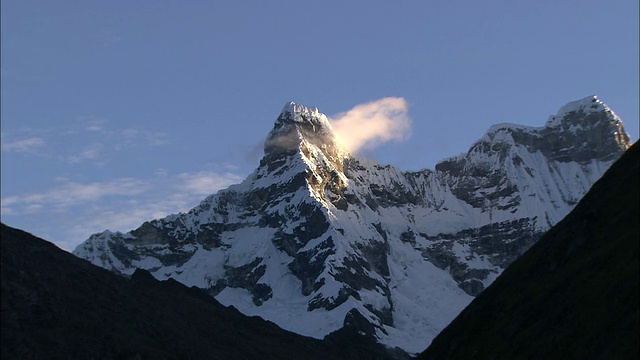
point(573, 295)
point(57, 306)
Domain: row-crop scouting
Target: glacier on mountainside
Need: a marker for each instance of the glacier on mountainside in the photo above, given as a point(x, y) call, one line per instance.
point(316, 239)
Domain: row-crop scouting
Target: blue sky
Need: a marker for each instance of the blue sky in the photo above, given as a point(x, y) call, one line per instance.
point(116, 112)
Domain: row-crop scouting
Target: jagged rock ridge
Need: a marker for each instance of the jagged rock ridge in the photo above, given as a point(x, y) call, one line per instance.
point(316, 239)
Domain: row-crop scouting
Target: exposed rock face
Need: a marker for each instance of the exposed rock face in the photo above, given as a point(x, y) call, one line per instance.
point(315, 234)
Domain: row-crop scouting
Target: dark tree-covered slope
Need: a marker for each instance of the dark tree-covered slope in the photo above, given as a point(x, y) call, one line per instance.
point(573, 295)
point(57, 306)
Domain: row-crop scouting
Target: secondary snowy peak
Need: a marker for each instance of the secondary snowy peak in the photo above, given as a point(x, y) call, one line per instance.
point(588, 113)
point(589, 104)
point(581, 131)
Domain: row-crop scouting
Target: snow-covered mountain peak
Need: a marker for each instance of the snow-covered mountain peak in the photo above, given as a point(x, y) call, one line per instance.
point(301, 113)
point(570, 115)
point(297, 124)
point(316, 240)
point(575, 133)
point(304, 133)
point(587, 105)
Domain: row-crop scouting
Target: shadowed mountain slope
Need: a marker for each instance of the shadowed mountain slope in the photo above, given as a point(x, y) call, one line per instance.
point(573, 295)
point(57, 306)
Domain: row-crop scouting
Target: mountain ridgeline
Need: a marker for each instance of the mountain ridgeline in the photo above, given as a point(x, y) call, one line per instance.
point(317, 240)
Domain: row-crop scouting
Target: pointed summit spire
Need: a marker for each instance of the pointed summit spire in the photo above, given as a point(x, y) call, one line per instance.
point(302, 114)
point(296, 123)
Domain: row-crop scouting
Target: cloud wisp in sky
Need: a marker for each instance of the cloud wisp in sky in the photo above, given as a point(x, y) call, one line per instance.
point(69, 194)
point(207, 182)
point(23, 145)
point(76, 210)
point(90, 152)
point(368, 125)
point(74, 204)
point(91, 139)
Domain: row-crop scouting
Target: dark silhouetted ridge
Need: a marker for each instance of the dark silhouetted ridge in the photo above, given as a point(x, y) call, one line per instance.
point(57, 306)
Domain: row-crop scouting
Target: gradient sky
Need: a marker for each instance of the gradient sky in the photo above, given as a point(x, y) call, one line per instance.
point(117, 112)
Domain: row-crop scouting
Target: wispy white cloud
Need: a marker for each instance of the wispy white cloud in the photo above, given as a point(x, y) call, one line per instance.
point(122, 204)
point(130, 134)
point(108, 38)
point(147, 137)
point(207, 182)
point(23, 145)
point(368, 125)
point(93, 123)
point(90, 140)
point(72, 193)
point(90, 152)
